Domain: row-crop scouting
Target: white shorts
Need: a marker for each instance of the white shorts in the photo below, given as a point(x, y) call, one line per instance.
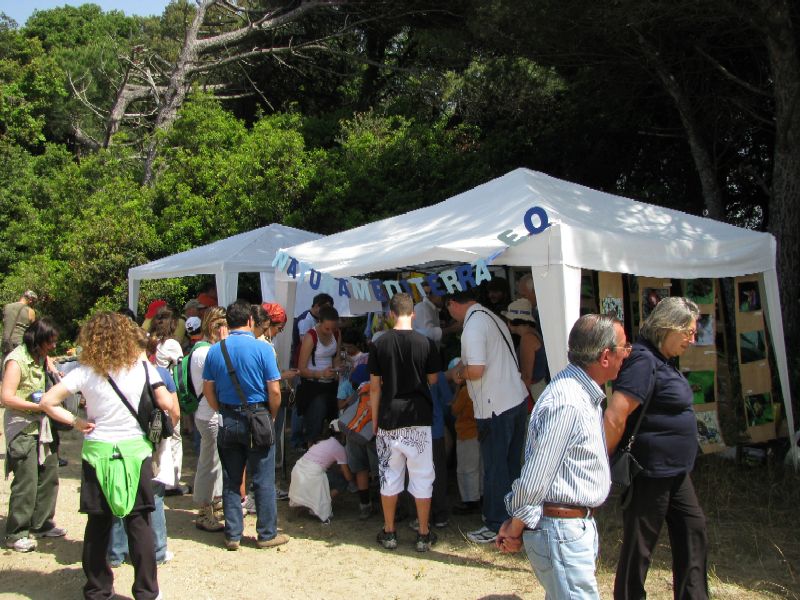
point(407, 447)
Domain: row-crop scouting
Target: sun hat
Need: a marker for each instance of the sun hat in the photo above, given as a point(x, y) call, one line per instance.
point(519, 310)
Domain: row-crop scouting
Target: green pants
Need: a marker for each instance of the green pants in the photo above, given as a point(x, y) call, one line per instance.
point(34, 490)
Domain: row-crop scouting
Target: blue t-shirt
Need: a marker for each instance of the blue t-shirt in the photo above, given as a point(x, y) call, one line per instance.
point(254, 363)
point(666, 444)
point(166, 377)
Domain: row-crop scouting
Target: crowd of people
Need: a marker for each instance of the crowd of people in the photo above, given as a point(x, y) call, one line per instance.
point(369, 415)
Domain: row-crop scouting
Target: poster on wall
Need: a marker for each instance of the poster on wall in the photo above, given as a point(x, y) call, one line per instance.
point(651, 292)
point(703, 384)
point(709, 433)
point(612, 306)
point(700, 291)
point(706, 332)
point(702, 355)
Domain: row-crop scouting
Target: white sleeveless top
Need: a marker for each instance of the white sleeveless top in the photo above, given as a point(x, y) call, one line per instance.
point(323, 356)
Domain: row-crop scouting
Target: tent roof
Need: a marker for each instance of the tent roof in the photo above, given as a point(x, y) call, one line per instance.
point(598, 231)
point(251, 251)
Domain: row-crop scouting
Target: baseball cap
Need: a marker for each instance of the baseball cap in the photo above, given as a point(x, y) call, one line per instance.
point(152, 308)
point(168, 353)
point(193, 325)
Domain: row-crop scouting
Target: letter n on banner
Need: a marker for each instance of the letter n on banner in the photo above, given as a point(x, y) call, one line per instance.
point(360, 289)
point(280, 261)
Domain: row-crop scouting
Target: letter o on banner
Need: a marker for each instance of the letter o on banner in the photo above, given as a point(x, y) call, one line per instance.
point(544, 222)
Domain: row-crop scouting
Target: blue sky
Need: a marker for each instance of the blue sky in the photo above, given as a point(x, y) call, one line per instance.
point(20, 10)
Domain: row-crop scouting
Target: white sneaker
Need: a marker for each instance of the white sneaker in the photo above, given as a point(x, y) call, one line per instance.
point(25, 544)
point(484, 535)
point(249, 505)
point(168, 556)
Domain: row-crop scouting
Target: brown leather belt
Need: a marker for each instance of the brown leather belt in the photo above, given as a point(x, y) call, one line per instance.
point(566, 511)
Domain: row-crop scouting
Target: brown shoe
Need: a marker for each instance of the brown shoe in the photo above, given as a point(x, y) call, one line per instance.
point(232, 545)
point(206, 520)
point(278, 540)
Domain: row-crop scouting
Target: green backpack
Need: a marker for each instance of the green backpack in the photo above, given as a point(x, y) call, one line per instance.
point(182, 374)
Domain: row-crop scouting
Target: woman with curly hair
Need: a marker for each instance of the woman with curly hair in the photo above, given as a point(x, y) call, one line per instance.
point(30, 451)
point(117, 464)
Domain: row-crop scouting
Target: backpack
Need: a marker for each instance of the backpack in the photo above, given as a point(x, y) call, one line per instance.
point(356, 419)
point(296, 339)
point(182, 374)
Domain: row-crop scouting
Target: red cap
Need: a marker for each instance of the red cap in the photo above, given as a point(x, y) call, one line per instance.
point(275, 312)
point(153, 307)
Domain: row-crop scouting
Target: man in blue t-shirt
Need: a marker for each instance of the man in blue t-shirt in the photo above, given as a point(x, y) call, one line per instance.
point(259, 379)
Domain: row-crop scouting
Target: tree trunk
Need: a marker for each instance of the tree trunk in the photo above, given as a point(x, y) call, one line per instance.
point(784, 206)
point(178, 86)
point(712, 192)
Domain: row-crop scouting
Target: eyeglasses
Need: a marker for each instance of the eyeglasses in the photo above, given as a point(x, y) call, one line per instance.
point(626, 349)
point(688, 333)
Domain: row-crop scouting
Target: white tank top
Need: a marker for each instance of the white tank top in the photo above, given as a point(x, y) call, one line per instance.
point(323, 355)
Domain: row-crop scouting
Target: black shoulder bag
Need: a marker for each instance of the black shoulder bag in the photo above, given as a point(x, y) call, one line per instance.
point(155, 423)
point(262, 430)
point(624, 467)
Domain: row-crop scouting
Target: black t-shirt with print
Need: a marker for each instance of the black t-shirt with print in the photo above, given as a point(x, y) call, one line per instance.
point(403, 359)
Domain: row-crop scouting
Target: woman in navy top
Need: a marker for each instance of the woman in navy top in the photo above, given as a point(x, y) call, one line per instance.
point(666, 447)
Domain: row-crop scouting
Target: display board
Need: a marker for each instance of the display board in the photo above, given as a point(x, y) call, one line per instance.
point(760, 409)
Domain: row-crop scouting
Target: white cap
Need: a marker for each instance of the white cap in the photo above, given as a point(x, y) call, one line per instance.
point(168, 353)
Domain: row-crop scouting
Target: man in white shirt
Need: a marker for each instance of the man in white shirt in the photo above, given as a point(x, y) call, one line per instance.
point(489, 367)
point(426, 317)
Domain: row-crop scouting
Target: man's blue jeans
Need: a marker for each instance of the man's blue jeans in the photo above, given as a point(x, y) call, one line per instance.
point(233, 442)
point(502, 438)
point(563, 553)
point(118, 543)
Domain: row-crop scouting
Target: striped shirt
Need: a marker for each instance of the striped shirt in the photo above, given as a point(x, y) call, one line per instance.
point(565, 453)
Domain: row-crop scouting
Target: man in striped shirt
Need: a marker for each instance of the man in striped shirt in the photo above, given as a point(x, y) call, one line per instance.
point(566, 474)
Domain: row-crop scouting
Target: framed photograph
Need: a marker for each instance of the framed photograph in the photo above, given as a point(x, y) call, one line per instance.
point(700, 291)
point(708, 432)
point(759, 409)
point(752, 346)
point(702, 384)
point(706, 334)
point(651, 297)
point(749, 296)
point(612, 306)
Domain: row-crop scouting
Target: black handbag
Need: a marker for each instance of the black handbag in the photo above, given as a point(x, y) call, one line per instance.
point(262, 429)
point(155, 423)
point(624, 466)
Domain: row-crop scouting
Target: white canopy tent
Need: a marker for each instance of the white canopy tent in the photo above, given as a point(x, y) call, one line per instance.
point(249, 252)
point(588, 230)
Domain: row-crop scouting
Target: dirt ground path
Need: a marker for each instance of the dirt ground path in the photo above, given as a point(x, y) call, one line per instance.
point(341, 560)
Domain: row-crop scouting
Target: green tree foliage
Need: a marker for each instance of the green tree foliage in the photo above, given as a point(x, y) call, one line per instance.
point(217, 178)
point(30, 81)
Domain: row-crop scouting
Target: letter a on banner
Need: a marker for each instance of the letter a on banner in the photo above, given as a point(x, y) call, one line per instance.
point(482, 272)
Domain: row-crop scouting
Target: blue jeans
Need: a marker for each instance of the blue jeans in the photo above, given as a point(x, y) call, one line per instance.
point(502, 438)
point(563, 554)
point(297, 429)
point(118, 542)
point(235, 453)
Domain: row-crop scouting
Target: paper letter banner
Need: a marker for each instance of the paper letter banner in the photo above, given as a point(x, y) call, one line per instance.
point(458, 279)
